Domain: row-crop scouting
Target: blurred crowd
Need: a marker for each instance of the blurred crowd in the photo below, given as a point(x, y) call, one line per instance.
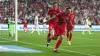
point(28, 9)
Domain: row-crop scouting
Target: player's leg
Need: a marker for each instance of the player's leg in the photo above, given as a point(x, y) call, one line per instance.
point(44, 27)
point(84, 29)
point(56, 34)
point(27, 29)
point(51, 28)
point(49, 33)
point(59, 42)
point(11, 33)
point(68, 37)
point(48, 38)
point(37, 27)
point(89, 30)
point(24, 29)
point(11, 29)
point(69, 34)
point(33, 29)
point(53, 37)
point(62, 31)
point(8, 30)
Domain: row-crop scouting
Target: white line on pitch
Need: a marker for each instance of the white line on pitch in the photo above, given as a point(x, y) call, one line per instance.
point(6, 41)
point(52, 47)
point(60, 48)
point(83, 46)
point(86, 38)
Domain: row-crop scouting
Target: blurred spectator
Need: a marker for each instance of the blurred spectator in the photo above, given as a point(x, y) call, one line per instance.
point(28, 8)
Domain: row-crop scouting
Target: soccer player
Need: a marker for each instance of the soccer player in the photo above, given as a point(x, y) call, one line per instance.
point(44, 25)
point(36, 25)
point(87, 26)
point(70, 25)
point(25, 26)
point(60, 28)
point(8, 24)
point(11, 26)
point(52, 12)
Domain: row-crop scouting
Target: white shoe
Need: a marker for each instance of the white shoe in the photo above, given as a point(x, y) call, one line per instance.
point(82, 33)
point(69, 43)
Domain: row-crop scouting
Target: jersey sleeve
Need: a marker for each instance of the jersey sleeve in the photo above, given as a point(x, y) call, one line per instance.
point(58, 11)
point(59, 14)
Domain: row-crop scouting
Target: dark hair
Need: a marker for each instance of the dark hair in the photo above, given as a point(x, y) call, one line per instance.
point(68, 8)
point(54, 3)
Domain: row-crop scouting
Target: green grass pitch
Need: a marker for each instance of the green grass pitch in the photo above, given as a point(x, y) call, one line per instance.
point(82, 45)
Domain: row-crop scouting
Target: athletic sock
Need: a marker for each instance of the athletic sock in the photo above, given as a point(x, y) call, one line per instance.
point(70, 36)
point(58, 44)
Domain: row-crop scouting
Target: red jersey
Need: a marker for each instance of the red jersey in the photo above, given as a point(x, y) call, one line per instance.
point(60, 28)
point(72, 16)
point(53, 12)
point(62, 18)
point(70, 21)
point(25, 23)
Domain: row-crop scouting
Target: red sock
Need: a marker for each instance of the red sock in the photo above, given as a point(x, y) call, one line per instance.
point(58, 44)
point(48, 35)
point(70, 37)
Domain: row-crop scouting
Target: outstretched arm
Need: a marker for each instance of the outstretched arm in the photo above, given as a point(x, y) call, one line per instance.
point(50, 19)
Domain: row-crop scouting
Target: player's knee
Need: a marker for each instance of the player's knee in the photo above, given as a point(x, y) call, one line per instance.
point(50, 31)
point(61, 37)
point(55, 38)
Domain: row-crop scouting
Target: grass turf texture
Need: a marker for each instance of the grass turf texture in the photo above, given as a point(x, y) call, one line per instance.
point(82, 45)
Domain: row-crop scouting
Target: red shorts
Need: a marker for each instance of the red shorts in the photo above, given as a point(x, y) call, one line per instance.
point(51, 26)
point(60, 30)
point(69, 28)
point(25, 26)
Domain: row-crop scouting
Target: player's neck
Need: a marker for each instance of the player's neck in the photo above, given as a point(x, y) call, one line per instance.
point(54, 7)
point(66, 14)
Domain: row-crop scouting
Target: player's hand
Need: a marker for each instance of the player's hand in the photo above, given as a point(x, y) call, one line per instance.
point(72, 25)
point(44, 23)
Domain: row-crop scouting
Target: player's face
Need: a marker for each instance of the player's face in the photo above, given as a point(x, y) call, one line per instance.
point(68, 11)
point(55, 5)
